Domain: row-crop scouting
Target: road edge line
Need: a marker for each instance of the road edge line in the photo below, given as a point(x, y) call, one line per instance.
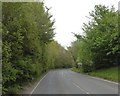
point(98, 78)
point(104, 80)
point(38, 84)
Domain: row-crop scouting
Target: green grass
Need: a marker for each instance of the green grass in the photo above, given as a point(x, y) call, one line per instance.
point(109, 73)
point(76, 70)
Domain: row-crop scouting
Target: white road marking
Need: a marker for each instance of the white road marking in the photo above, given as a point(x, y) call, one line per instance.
point(104, 80)
point(81, 88)
point(38, 84)
point(100, 79)
point(62, 74)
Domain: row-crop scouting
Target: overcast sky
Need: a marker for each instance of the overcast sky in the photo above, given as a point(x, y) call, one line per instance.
point(70, 16)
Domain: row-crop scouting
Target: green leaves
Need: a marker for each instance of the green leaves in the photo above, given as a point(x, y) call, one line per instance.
point(101, 46)
point(27, 30)
point(58, 57)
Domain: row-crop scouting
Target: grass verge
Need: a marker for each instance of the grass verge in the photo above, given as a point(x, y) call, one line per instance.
point(76, 70)
point(109, 73)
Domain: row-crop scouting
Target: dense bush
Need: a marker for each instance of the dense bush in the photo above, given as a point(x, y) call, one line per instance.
point(100, 45)
point(27, 28)
point(28, 47)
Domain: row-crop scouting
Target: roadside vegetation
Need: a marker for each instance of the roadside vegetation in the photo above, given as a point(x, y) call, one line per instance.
point(109, 73)
point(97, 52)
point(28, 48)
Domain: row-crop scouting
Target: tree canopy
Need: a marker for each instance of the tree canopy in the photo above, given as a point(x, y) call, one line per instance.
point(28, 47)
point(100, 47)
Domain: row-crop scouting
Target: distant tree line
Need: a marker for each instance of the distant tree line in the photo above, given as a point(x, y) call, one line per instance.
point(99, 46)
point(58, 56)
point(28, 48)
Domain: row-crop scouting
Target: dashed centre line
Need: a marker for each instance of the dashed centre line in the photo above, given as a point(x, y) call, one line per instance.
point(81, 88)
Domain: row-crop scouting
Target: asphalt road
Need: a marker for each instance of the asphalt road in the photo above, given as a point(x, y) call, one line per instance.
point(65, 81)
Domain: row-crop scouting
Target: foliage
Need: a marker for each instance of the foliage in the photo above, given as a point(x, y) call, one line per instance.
point(28, 46)
point(26, 31)
point(58, 56)
point(74, 51)
point(110, 73)
point(76, 70)
point(100, 47)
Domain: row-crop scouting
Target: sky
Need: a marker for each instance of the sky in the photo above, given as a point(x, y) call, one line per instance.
point(70, 15)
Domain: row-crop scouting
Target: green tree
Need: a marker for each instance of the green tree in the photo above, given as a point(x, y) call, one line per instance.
point(74, 51)
point(100, 48)
point(58, 57)
point(27, 30)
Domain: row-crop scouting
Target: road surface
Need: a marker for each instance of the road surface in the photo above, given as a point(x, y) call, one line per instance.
point(65, 81)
